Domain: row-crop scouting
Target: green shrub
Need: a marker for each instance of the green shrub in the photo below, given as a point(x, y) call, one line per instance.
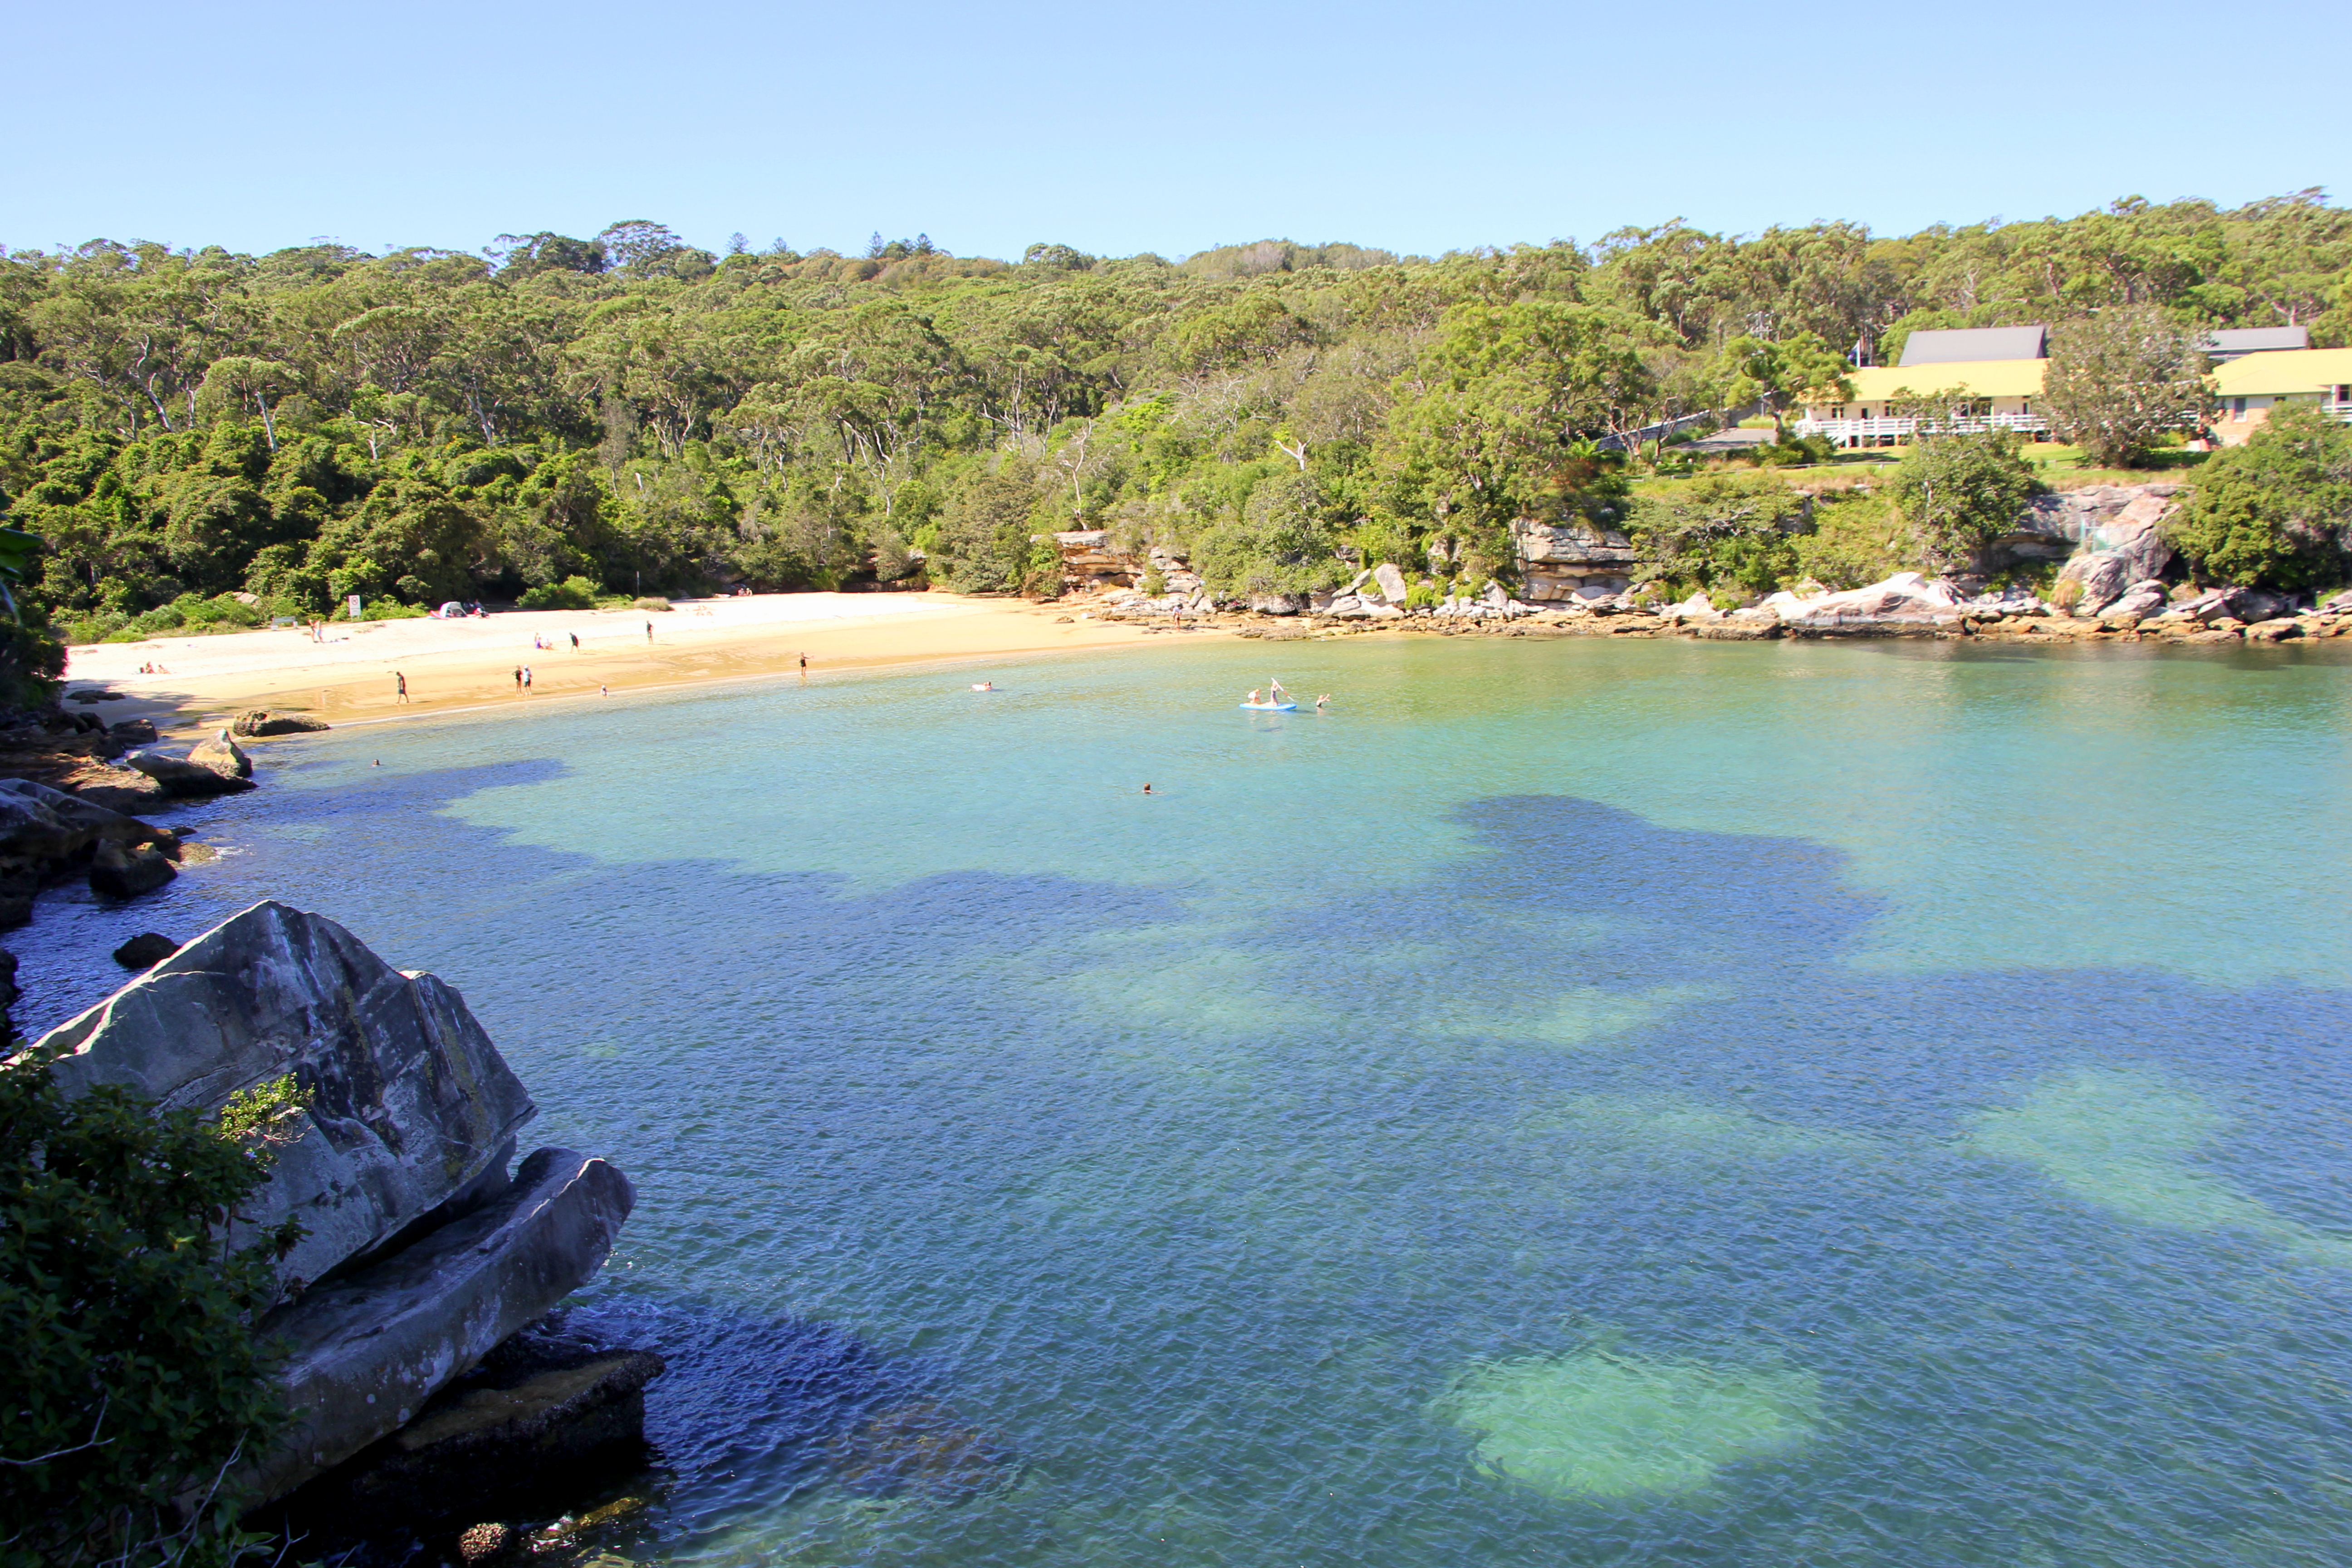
point(2277, 510)
point(1723, 533)
point(1856, 538)
point(650, 603)
point(134, 1379)
point(1960, 493)
point(571, 594)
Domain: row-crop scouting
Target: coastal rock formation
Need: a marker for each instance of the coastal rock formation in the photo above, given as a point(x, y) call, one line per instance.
point(1906, 605)
point(2095, 518)
point(182, 777)
point(258, 722)
point(413, 1108)
point(145, 950)
point(420, 1253)
point(368, 1351)
point(127, 870)
point(224, 756)
point(1566, 561)
point(520, 1431)
point(47, 833)
point(1392, 582)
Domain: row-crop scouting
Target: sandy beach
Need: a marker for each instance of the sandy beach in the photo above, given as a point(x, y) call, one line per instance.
point(349, 676)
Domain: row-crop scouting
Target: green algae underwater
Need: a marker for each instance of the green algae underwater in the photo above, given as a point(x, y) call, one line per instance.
point(1571, 1103)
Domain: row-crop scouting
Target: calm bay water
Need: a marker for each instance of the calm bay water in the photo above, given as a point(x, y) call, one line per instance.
point(1572, 1103)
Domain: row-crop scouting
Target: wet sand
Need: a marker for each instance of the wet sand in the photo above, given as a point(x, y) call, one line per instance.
point(453, 665)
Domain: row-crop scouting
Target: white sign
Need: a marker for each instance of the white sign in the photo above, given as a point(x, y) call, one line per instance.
point(355, 602)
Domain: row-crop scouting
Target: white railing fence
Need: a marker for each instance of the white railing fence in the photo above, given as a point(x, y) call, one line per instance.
point(1851, 432)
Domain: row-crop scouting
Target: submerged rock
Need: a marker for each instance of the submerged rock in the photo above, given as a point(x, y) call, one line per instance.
point(917, 1446)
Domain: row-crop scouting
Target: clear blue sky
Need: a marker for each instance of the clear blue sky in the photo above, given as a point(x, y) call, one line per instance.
point(1120, 128)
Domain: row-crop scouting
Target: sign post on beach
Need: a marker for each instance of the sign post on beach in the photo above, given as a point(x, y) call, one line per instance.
point(354, 603)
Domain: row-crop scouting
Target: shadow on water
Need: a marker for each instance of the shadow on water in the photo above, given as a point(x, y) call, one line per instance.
point(1335, 1232)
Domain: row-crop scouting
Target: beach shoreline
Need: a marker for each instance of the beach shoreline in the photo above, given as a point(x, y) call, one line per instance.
point(474, 664)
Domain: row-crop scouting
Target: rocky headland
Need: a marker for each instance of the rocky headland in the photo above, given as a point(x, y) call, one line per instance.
point(2115, 580)
point(421, 1392)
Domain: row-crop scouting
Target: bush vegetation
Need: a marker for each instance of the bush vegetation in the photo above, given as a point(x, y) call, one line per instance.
point(2276, 510)
point(135, 1380)
point(631, 411)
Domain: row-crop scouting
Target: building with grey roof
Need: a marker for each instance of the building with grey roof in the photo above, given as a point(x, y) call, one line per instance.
point(1963, 345)
point(2230, 343)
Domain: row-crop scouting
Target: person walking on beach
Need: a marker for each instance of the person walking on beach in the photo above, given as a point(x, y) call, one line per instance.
point(803, 664)
point(649, 631)
point(576, 640)
point(400, 686)
point(518, 678)
point(526, 680)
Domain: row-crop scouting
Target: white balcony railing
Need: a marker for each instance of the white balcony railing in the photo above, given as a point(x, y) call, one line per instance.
point(1844, 432)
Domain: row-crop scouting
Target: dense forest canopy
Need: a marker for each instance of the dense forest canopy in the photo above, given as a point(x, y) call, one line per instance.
point(628, 409)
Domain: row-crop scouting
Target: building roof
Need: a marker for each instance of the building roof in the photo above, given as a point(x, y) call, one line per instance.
point(1958, 345)
point(2283, 372)
point(1981, 378)
point(2234, 341)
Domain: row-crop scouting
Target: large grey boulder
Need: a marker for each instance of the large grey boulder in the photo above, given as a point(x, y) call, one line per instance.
point(179, 776)
point(224, 756)
point(413, 1109)
point(1390, 581)
point(2101, 578)
point(367, 1351)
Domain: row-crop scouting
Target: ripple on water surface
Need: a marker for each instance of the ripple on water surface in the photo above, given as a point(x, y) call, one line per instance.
point(1569, 1104)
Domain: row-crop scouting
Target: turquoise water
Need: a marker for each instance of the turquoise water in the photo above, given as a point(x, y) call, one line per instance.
point(1572, 1103)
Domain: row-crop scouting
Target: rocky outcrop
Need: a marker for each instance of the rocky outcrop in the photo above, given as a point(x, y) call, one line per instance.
point(46, 835)
point(368, 1352)
point(224, 756)
point(127, 870)
point(145, 950)
point(260, 722)
point(185, 778)
point(420, 1254)
point(1573, 560)
point(518, 1433)
point(412, 1110)
point(1906, 605)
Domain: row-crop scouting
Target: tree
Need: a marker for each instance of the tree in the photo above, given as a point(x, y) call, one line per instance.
point(1776, 374)
point(134, 1381)
point(1959, 493)
point(242, 380)
point(2118, 380)
point(2275, 511)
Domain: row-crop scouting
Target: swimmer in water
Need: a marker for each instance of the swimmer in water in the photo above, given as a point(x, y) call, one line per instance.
point(1322, 702)
point(1146, 789)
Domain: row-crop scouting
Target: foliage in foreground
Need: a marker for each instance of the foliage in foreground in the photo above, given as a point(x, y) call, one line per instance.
point(134, 1381)
point(2277, 510)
